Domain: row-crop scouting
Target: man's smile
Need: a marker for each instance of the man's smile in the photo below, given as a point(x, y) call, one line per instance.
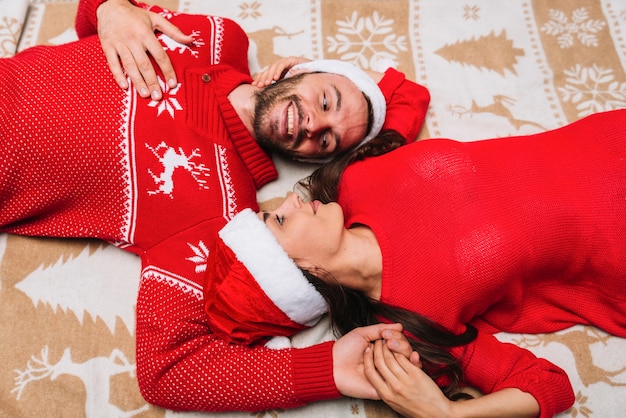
point(290, 117)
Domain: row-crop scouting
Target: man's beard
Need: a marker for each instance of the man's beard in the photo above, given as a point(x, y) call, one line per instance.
point(267, 132)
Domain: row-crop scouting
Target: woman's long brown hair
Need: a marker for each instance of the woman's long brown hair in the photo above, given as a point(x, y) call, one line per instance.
point(323, 183)
point(349, 309)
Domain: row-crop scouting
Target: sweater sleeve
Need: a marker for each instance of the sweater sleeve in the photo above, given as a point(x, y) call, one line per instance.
point(407, 103)
point(86, 20)
point(182, 366)
point(491, 365)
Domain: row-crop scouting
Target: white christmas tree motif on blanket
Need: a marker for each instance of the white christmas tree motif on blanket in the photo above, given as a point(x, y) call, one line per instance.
point(88, 284)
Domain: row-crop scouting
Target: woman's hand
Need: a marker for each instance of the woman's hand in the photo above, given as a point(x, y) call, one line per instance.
point(403, 385)
point(276, 71)
point(127, 35)
point(348, 359)
point(412, 393)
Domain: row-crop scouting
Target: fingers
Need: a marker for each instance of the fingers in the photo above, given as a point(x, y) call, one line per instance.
point(116, 68)
point(168, 28)
point(129, 42)
point(375, 332)
point(415, 359)
point(148, 72)
point(371, 372)
point(386, 362)
point(382, 370)
point(160, 56)
point(397, 342)
point(276, 71)
point(271, 74)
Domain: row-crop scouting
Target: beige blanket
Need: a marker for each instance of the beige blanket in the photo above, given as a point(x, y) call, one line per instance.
point(494, 68)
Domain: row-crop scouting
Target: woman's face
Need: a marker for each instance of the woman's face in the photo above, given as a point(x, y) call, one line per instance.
point(310, 232)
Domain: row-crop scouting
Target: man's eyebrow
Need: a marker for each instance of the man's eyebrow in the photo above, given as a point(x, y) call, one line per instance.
point(338, 93)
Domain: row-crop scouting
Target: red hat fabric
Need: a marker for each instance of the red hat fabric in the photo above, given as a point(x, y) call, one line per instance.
point(253, 290)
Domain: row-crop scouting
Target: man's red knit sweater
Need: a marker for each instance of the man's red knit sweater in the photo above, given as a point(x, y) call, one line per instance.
point(79, 157)
point(524, 235)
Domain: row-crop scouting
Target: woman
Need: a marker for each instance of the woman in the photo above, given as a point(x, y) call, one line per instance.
point(522, 234)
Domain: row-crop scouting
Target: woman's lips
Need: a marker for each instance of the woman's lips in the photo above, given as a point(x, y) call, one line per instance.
point(315, 205)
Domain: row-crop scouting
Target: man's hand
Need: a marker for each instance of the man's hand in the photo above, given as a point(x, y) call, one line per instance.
point(276, 71)
point(127, 35)
point(348, 357)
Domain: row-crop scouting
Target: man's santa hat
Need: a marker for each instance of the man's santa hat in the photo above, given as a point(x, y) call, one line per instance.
point(254, 291)
point(361, 79)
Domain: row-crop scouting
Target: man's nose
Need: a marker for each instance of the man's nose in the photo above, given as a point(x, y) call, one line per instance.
point(315, 124)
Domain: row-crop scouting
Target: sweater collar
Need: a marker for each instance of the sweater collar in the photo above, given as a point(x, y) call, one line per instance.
point(224, 79)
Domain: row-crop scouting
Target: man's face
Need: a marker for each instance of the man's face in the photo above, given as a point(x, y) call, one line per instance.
point(314, 115)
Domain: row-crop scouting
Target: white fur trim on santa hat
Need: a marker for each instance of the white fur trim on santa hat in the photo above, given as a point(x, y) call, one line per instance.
point(279, 277)
point(363, 81)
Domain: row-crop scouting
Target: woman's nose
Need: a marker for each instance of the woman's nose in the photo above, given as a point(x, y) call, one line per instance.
point(292, 201)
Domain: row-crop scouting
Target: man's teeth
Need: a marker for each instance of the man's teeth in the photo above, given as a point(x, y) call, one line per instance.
point(290, 121)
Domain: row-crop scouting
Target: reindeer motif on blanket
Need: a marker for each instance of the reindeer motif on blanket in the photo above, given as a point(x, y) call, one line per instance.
point(579, 342)
point(498, 107)
point(172, 159)
point(96, 368)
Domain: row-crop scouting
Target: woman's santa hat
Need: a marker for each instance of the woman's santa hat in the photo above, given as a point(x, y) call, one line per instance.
point(361, 79)
point(254, 291)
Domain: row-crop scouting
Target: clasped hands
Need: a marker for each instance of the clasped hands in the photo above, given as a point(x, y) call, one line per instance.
point(387, 369)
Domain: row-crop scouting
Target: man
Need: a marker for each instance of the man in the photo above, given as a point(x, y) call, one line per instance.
point(80, 157)
point(127, 33)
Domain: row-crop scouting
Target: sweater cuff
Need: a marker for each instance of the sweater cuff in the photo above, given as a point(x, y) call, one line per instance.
point(87, 18)
point(313, 373)
point(392, 79)
point(552, 390)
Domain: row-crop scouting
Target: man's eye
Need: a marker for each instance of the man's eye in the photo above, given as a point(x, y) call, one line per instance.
point(280, 220)
point(325, 140)
point(324, 104)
